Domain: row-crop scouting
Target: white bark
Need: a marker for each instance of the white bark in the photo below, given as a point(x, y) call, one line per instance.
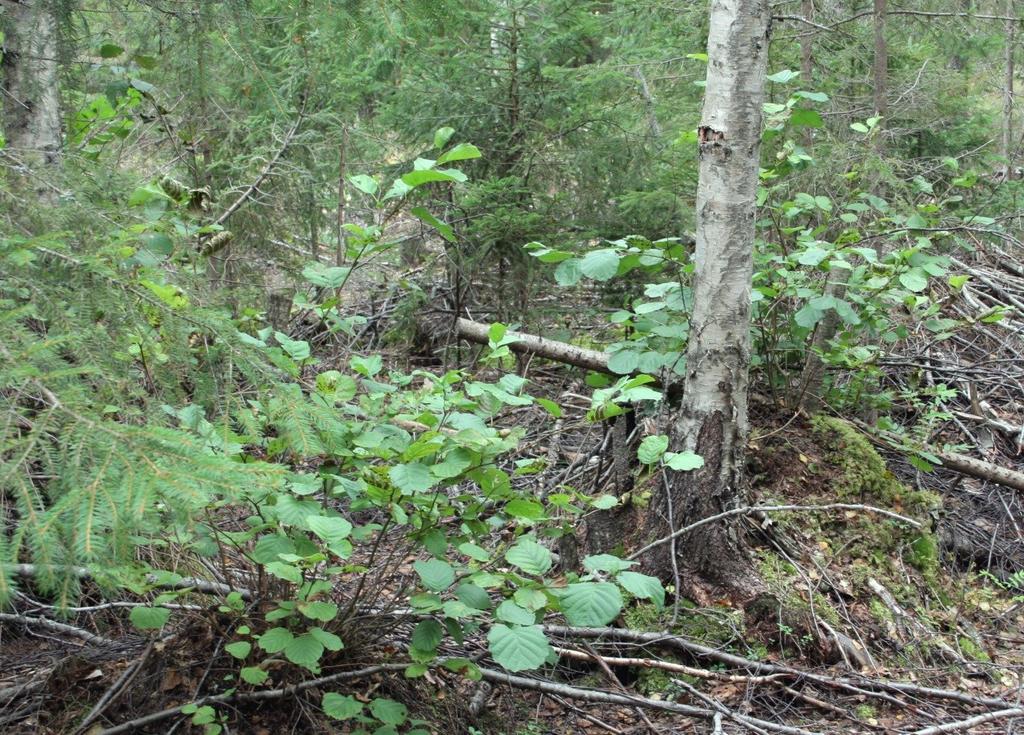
point(712, 420)
point(32, 122)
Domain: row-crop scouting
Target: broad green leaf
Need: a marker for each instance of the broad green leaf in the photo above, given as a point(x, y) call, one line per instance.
point(442, 136)
point(517, 648)
point(651, 448)
point(475, 552)
point(915, 280)
point(443, 228)
point(526, 509)
point(328, 640)
point(624, 362)
point(239, 649)
point(784, 76)
point(427, 635)
point(297, 349)
point(365, 184)
point(331, 529)
point(275, 640)
point(149, 618)
point(568, 272)
point(435, 574)
point(550, 406)
point(473, 596)
point(319, 610)
point(601, 265)
point(253, 675)
point(389, 711)
point(683, 461)
point(461, 152)
point(642, 586)
point(341, 707)
point(606, 563)
point(604, 502)
point(591, 603)
point(110, 51)
point(417, 178)
point(304, 650)
point(287, 572)
point(411, 478)
point(529, 556)
point(510, 612)
point(802, 117)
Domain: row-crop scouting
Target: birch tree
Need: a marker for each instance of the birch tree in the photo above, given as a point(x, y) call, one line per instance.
point(32, 122)
point(712, 419)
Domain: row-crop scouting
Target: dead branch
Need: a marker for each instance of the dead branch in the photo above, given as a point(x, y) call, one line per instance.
point(531, 344)
point(970, 722)
point(185, 583)
point(53, 625)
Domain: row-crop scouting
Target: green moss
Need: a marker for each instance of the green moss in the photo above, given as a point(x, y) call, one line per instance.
point(924, 553)
point(863, 471)
point(717, 625)
point(972, 650)
point(865, 712)
point(782, 579)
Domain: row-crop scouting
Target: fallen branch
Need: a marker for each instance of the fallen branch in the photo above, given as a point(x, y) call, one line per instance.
point(592, 695)
point(970, 722)
point(530, 344)
point(185, 583)
point(251, 696)
point(53, 625)
point(754, 509)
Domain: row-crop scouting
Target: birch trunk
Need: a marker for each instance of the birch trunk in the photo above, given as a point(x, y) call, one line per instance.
point(712, 420)
point(32, 121)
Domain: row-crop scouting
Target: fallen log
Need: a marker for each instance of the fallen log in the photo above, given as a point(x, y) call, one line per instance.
point(530, 344)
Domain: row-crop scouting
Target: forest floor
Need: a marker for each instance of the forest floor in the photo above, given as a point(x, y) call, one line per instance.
point(900, 607)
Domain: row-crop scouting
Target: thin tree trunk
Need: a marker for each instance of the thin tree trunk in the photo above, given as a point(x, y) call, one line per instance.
point(32, 119)
point(881, 67)
point(1006, 144)
point(712, 420)
point(807, 60)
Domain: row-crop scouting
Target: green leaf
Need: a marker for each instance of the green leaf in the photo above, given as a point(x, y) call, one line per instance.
point(411, 478)
point(331, 529)
point(475, 552)
point(526, 509)
point(915, 280)
point(651, 448)
point(110, 51)
point(443, 228)
point(601, 265)
point(604, 502)
point(341, 707)
point(461, 152)
point(275, 640)
point(149, 618)
point(805, 118)
point(287, 572)
point(365, 184)
point(473, 596)
point(253, 675)
point(305, 650)
point(518, 648)
point(389, 711)
point(319, 610)
point(427, 635)
point(529, 556)
point(683, 461)
point(606, 563)
point(239, 649)
point(591, 603)
point(418, 178)
point(442, 136)
point(568, 272)
point(550, 406)
point(808, 316)
point(435, 574)
point(328, 640)
point(510, 612)
point(784, 76)
point(624, 362)
point(643, 586)
point(454, 464)
point(297, 349)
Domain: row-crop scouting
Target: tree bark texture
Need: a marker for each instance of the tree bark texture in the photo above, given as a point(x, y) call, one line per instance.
point(1006, 145)
point(32, 120)
point(712, 420)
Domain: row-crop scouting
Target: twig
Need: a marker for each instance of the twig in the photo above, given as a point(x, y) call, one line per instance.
point(115, 689)
point(591, 695)
point(764, 508)
point(92, 638)
point(251, 696)
point(185, 583)
point(971, 721)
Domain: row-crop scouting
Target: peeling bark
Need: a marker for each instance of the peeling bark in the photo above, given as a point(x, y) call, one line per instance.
point(712, 420)
point(32, 120)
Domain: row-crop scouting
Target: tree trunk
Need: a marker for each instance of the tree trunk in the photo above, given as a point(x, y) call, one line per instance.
point(881, 68)
point(712, 420)
point(807, 60)
point(32, 120)
point(1006, 144)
